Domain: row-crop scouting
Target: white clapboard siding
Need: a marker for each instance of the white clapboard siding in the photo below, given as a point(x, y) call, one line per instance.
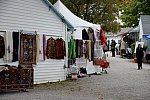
point(32, 15)
point(35, 15)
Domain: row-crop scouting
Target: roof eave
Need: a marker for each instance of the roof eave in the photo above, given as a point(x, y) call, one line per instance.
point(59, 15)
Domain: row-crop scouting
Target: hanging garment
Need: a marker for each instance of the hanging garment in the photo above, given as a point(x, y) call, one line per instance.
point(44, 46)
point(91, 34)
point(60, 48)
point(2, 47)
point(51, 48)
point(97, 35)
point(38, 47)
point(79, 48)
point(72, 48)
point(8, 47)
point(40, 51)
point(84, 48)
point(88, 52)
point(102, 37)
point(85, 35)
point(92, 38)
point(15, 46)
point(92, 50)
point(28, 49)
point(98, 51)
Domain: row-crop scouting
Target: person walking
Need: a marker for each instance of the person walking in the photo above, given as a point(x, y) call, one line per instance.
point(139, 56)
point(113, 44)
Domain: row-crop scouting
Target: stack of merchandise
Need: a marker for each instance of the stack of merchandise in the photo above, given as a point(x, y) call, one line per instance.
point(15, 78)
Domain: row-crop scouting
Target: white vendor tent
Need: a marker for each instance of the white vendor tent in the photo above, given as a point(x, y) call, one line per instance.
point(78, 23)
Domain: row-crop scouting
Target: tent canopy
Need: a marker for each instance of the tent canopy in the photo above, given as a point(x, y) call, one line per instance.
point(78, 23)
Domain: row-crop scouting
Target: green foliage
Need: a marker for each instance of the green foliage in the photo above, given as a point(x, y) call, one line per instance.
point(102, 12)
point(132, 10)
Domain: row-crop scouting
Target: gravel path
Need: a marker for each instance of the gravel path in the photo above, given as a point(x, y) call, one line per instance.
point(123, 82)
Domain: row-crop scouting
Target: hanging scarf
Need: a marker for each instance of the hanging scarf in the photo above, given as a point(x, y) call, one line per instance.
point(40, 49)
point(8, 47)
point(44, 46)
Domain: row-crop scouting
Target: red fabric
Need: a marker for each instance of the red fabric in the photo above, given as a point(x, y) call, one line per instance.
point(102, 38)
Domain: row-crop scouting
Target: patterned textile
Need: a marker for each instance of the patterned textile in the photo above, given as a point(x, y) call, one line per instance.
point(2, 47)
point(16, 78)
point(51, 48)
point(56, 48)
point(28, 49)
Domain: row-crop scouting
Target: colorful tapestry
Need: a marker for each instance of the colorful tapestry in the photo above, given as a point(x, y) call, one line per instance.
point(28, 49)
point(51, 48)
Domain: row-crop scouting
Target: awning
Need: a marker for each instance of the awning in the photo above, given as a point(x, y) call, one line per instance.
point(135, 30)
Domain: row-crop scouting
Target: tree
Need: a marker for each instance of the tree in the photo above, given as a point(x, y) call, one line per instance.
point(132, 10)
point(102, 12)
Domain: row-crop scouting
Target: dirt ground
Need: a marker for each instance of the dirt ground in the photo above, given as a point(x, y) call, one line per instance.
point(123, 82)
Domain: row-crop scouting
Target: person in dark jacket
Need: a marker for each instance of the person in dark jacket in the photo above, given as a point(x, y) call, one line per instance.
point(139, 56)
point(113, 44)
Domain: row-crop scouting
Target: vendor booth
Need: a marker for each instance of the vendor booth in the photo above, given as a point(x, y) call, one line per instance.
point(85, 37)
point(33, 37)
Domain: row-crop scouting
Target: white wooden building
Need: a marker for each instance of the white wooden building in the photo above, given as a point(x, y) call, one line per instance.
point(42, 17)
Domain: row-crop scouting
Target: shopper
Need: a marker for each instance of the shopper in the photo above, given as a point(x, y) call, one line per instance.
point(139, 56)
point(113, 44)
